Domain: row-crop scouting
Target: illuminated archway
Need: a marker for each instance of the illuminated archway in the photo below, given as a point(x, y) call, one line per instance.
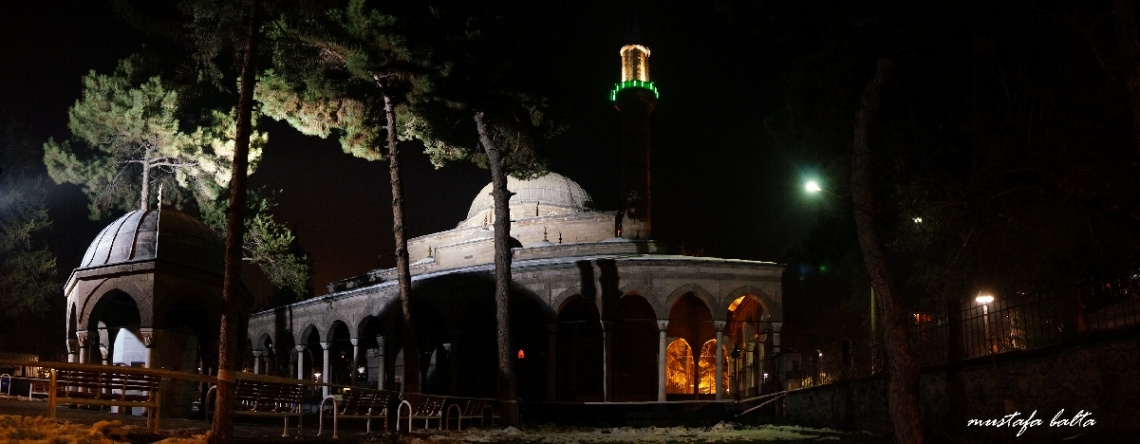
point(707, 368)
point(679, 370)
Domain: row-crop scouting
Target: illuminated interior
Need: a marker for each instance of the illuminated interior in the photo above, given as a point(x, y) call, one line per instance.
point(679, 367)
point(707, 368)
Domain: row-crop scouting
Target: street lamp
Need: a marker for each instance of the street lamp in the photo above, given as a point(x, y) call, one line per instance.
point(812, 187)
point(985, 299)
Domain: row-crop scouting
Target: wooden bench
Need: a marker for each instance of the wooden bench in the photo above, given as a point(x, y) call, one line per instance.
point(112, 387)
point(470, 409)
point(358, 403)
point(264, 398)
point(425, 407)
point(38, 387)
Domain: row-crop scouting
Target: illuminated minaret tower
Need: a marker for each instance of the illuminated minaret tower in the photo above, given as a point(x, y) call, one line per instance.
point(635, 97)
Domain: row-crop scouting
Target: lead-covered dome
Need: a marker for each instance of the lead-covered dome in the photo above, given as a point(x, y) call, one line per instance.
point(156, 234)
point(553, 189)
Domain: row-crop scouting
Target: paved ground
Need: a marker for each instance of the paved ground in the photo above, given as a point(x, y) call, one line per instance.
point(188, 431)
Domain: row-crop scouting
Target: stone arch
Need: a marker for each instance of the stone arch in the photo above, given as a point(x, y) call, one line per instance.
point(579, 349)
point(114, 310)
point(137, 295)
point(770, 305)
point(691, 319)
point(310, 360)
point(634, 334)
point(654, 299)
point(747, 339)
point(529, 318)
point(697, 291)
point(338, 340)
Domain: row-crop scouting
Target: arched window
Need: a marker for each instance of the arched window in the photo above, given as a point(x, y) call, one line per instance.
point(707, 368)
point(679, 367)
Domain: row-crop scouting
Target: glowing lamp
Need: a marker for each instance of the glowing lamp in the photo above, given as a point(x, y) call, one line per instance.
point(521, 354)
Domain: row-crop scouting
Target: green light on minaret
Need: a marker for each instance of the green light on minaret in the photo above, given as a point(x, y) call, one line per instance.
point(634, 71)
point(633, 84)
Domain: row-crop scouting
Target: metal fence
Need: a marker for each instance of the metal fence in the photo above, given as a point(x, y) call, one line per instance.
point(1023, 321)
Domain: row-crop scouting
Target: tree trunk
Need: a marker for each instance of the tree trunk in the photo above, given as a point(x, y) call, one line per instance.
point(902, 366)
point(145, 189)
point(502, 196)
point(235, 232)
point(403, 274)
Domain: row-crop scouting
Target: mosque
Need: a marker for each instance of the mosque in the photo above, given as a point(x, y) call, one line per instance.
point(601, 312)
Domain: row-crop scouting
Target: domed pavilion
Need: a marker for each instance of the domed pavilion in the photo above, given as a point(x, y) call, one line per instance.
point(147, 293)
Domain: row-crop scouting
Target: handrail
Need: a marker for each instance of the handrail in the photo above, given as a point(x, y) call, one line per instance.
point(321, 415)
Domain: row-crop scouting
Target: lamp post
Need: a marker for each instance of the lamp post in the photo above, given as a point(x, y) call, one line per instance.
point(985, 299)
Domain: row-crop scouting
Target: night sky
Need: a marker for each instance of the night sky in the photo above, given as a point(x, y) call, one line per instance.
point(719, 185)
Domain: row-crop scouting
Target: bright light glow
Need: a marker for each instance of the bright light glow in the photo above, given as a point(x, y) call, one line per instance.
point(735, 303)
point(812, 187)
point(521, 354)
point(316, 377)
point(984, 298)
point(917, 220)
point(634, 63)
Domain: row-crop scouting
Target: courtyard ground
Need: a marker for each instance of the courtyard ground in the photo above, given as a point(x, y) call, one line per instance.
point(24, 421)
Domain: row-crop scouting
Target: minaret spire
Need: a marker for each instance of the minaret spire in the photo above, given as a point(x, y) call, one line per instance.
point(635, 97)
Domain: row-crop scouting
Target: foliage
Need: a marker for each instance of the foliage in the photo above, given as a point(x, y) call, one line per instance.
point(28, 276)
point(128, 140)
point(267, 244)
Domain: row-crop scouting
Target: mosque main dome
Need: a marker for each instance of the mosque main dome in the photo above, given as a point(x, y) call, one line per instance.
point(552, 189)
point(143, 235)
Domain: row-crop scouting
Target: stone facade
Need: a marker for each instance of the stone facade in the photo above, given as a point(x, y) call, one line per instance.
point(592, 312)
point(1098, 377)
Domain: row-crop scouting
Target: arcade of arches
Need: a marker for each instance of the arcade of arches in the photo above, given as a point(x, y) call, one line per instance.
point(602, 344)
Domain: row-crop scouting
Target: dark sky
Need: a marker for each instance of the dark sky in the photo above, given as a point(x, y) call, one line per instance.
point(718, 184)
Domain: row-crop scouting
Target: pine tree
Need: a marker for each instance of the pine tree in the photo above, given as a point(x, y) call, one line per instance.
point(28, 276)
point(348, 70)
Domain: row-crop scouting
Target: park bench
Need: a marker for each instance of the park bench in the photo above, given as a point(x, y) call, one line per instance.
point(38, 387)
point(470, 409)
point(425, 407)
point(111, 387)
point(265, 398)
point(358, 403)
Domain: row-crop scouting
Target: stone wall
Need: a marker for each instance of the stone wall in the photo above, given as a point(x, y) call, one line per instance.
point(1099, 376)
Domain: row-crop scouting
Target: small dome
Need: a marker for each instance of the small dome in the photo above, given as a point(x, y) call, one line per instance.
point(552, 189)
point(153, 234)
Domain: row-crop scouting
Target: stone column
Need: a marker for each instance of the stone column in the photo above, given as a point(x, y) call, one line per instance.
point(325, 368)
point(84, 346)
point(300, 361)
point(776, 326)
point(147, 336)
point(106, 352)
point(353, 359)
point(751, 361)
point(719, 378)
point(607, 356)
point(72, 350)
point(551, 360)
point(662, 326)
point(256, 361)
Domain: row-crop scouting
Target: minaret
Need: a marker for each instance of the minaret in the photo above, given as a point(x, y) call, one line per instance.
point(635, 97)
